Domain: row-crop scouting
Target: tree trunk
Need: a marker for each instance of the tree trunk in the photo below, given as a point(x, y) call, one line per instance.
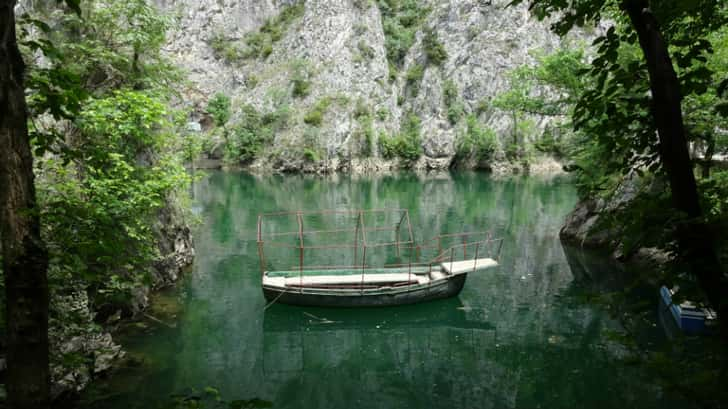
point(25, 259)
point(694, 238)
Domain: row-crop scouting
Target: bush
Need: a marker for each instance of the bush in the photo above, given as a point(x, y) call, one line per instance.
point(714, 192)
point(382, 114)
point(366, 51)
point(311, 155)
point(455, 108)
point(400, 21)
point(246, 137)
point(226, 49)
point(301, 87)
point(251, 81)
point(414, 77)
point(250, 135)
point(476, 142)
point(219, 108)
point(435, 51)
point(548, 143)
point(316, 115)
point(365, 134)
point(361, 110)
point(455, 112)
point(387, 147)
point(260, 44)
point(482, 107)
point(301, 82)
point(406, 145)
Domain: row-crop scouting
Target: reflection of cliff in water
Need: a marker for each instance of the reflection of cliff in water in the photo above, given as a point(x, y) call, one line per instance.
point(596, 272)
point(386, 353)
point(440, 354)
point(520, 335)
point(594, 269)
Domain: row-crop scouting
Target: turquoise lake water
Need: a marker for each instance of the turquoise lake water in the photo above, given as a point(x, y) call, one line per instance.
point(518, 336)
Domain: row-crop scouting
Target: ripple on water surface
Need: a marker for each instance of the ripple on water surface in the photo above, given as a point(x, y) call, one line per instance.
point(516, 337)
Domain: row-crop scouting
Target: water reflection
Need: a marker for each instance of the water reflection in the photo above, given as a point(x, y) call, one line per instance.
point(516, 337)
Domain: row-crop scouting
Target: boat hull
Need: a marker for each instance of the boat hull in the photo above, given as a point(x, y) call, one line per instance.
point(389, 296)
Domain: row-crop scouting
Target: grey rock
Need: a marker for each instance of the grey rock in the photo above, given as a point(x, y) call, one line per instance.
point(484, 41)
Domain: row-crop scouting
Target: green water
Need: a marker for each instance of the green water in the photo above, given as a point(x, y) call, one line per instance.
point(518, 336)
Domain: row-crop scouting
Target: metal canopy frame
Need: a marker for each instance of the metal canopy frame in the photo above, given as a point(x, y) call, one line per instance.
point(359, 230)
point(362, 222)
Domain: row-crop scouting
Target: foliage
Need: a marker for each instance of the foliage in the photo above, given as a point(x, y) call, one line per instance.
point(98, 211)
point(260, 43)
point(434, 50)
point(316, 115)
point(117, 43)
point(614, 122)
point(613, 106)
point(209, 398)
point(382, 113)
point(550, 88)
point(366, 51)
point(301, 80)
point(401, 19)
point(226, 49)
point(414, 78)
point(364, 135)
point(476, 142)
point(219, 108)
point(115, 155)
point(361, 109)
point(114, 45)
point(252, 132)
point(406, 145)
point(715, 195)
point(451, 99)
point(192, 144)
point(311, 148)
point(551, 143)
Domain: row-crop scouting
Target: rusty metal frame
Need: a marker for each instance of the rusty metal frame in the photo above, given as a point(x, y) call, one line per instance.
point(360, 230)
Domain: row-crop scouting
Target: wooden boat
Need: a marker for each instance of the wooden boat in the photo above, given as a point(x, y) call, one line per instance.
point(382, 271)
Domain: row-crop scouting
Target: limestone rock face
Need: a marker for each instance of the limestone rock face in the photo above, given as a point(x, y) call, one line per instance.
point(338, 46)
point(588, 224)
point(79, 349)
point(582, 226)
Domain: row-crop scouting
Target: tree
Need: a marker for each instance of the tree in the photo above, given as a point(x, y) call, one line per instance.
point(25, 258)
point(688, 21)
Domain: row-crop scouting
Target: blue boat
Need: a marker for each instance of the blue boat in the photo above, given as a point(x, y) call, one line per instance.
point(688, 317)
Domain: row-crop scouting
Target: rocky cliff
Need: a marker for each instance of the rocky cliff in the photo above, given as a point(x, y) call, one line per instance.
point(352, 64)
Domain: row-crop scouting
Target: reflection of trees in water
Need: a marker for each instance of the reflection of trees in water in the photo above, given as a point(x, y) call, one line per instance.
point(512, 343)
point(516, 337)
point(430, 359)
point(450, 362)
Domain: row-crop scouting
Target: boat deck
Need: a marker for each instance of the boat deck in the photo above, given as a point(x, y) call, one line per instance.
point(382, 277)
point(465, 266)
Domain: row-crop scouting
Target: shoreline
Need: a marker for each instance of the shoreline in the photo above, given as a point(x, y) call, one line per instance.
point(541, 166)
